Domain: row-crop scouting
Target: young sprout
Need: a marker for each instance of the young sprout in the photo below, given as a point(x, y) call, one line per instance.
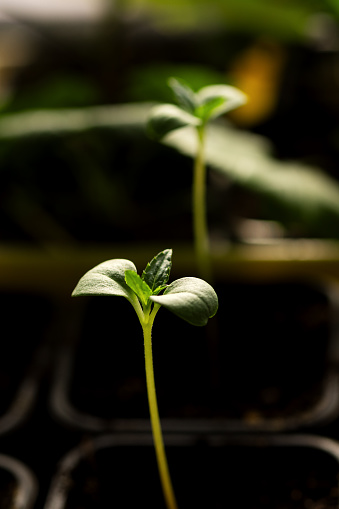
point(190, 298)
point(195, 109)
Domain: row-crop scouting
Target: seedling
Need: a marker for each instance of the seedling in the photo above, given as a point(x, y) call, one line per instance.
point(195, 109)
point(190, 298)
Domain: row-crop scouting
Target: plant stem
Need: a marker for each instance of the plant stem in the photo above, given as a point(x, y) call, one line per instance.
point(200, 229)
point(155, 420)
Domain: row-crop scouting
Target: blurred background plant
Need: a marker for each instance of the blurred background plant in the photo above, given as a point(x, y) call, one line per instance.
point(77, 177)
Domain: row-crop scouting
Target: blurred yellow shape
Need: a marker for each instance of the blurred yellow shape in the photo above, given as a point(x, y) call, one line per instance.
point(257, 72)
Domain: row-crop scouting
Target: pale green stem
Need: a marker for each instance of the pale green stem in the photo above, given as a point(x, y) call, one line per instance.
point(200, 228)
point(137, 308)
point(154, 415)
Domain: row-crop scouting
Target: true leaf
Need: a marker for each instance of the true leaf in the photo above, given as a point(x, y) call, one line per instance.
point(231, 98)
point(159, 289)
point(206, 110)
point(107, 278)
point(184, 94)
point(157, 271)
point(139, 287)
point(190, 298)
point(168, 117)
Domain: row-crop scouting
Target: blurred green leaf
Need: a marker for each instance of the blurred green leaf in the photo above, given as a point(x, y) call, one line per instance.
point(292, 191)
point(46, 123)
point(215, 100)
point(56, 91)
point(282, 19)
point(168, 117)
point(148, 82)
point(184, 95)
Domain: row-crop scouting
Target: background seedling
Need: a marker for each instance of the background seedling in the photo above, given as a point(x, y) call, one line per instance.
point(195, 109)
point(192, 299)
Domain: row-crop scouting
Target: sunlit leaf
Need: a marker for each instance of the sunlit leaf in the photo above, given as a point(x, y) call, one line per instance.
point(184, 95)
point(205, 111)
point(107, 278)
point(168, 117)
point(190, 298)
point(220, 99)
point(138, 285)
point(157, 271)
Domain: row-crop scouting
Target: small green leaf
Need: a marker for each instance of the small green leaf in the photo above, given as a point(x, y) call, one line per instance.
point(168, 117)
point(190, 298)
point(107, 278)
point(207, 110)
point(231, 98)
point(184, 94)
point(159, 289)
point(157, 271)
point(139, 287)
